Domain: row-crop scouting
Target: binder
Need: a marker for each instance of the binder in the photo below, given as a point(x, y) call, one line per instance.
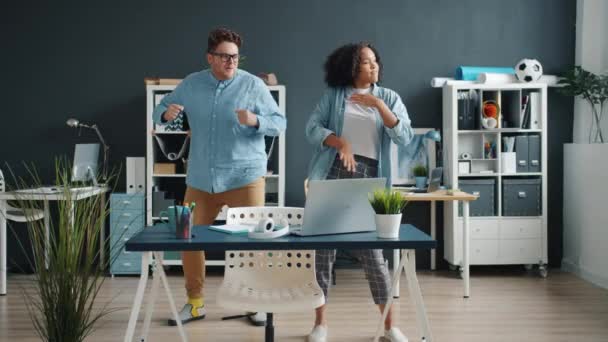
point(535, 110)
point(466, 108)
point(534, 153)
point(521, 152)
point(525, 100)
point(462, 113)
point(136, 175)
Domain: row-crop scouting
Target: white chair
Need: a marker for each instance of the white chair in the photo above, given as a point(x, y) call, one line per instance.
point(17, 214)
point(269, 281)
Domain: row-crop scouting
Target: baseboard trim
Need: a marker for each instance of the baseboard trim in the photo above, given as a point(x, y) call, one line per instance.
point(585, 274)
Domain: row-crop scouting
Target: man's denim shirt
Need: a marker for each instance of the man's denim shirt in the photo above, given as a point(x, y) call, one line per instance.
point(224, 154)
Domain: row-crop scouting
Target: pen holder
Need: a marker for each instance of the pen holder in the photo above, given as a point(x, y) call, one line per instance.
point(179, 221)
point(183, 229)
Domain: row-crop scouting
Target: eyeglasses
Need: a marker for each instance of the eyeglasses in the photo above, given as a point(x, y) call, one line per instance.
point(226, 57)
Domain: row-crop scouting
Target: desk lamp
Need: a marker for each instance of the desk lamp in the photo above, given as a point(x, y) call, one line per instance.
point(434, 135)
point(74, 123)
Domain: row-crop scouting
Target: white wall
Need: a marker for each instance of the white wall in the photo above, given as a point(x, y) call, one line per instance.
point(591, 54)
point(586, 165)
point(585, 214)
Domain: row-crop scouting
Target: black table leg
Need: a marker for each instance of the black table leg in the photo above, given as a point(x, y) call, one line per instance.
point(269, 333)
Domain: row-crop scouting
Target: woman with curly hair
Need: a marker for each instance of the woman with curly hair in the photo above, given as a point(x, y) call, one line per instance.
point(351, 130)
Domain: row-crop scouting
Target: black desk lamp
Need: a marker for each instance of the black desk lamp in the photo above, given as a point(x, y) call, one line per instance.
point(106, 149)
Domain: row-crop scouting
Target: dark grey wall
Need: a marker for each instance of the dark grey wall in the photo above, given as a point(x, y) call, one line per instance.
point(76, 59)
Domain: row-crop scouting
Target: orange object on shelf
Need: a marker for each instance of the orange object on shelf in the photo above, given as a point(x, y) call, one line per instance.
point(490, 109)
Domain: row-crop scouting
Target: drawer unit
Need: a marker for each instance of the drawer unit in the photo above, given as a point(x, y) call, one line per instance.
point(484, 188)
point(483, 229)
point(126, 220)
point(520, 251)
point(516, 228)
point(483, 252)
point(126, 202)
point(521, 197)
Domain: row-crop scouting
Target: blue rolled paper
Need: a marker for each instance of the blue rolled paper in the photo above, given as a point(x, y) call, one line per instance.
point(469, 73)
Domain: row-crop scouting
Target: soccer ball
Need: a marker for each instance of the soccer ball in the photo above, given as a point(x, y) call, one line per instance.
point(528, 70)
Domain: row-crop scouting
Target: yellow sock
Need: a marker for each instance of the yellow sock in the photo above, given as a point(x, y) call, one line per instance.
point(196, 303)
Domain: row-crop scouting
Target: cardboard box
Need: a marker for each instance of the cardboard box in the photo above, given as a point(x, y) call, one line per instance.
point(164, 168)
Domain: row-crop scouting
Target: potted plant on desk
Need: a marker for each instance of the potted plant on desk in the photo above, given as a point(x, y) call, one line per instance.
point(421, 173)
point(388, 205)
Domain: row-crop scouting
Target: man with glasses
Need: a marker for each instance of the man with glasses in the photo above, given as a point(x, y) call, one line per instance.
point(229, 112)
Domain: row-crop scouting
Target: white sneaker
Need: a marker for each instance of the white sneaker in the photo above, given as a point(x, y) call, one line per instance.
point(318, 334)
point(394, 335)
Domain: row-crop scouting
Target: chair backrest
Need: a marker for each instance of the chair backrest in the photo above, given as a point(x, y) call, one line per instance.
point(2, 186)
point(267, 269)
point(253, 215)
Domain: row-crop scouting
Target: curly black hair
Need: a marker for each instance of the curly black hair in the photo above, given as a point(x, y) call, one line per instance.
point(220, 35)
point(342, 65)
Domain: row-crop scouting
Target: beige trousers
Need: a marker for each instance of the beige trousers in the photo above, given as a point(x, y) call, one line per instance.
point(207, 207)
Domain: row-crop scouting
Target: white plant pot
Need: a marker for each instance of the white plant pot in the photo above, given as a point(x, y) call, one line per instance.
point(388, 225)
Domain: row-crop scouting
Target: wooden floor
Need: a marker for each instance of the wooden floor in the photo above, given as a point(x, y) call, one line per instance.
point(506, 305)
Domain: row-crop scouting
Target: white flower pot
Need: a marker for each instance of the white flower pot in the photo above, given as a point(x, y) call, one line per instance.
point(388, 225)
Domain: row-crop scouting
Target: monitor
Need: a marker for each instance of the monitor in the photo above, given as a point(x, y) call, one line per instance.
point(86, 157)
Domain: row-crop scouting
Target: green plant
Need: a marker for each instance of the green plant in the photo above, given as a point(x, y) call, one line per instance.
point(420, 171)
point(593, 89)
point(387, 202)
point(67, 276)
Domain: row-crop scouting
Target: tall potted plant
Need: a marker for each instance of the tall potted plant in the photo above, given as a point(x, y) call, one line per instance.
point(387, 205)
point(592, 88)
point(68, 276)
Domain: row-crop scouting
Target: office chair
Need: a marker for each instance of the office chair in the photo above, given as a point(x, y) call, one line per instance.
point(20, 215)
point(269, 281)
point(17, 214)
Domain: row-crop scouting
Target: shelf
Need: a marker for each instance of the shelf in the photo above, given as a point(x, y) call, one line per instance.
point(177, 175)
point(272, 176)
point(481, 217)
point(479, 175)
point(479, 159)
point(498, 130)
point(502, 217)
point(520, 174)
point(180, 133)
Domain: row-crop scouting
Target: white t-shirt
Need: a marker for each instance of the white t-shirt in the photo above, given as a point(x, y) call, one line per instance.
point(360, 126)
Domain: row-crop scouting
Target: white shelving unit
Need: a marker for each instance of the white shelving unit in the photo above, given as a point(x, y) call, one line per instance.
point(275, 182)
point(495, 239)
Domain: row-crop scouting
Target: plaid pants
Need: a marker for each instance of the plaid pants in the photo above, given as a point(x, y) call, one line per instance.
point(376, 271)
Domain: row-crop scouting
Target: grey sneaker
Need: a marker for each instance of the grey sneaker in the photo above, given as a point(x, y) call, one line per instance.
point(258, 319)
point(186, 315)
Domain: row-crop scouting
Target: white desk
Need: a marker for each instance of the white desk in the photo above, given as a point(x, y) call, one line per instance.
point(76, 195)
point(441, 195)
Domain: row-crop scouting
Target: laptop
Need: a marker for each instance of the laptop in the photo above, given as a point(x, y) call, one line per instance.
point(434, 183)
point(338, 206)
